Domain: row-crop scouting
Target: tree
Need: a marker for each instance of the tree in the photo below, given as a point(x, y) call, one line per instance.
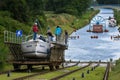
point(75, 7)
point(36, 7)
point(108, 1)
point(18, 8)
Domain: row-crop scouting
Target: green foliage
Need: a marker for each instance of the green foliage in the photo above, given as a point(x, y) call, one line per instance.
point(75, 7)
point(84, 19)
point(117, 16)
point(3, 52)
point(1, 65)
point(35, 7)
point(115, 73)
point(96, 74)
point(7, 23)
point(13, 25)
point(5, 14)
point(18, 9)
point(42, 24)
point(28, 10)
point(108, 1)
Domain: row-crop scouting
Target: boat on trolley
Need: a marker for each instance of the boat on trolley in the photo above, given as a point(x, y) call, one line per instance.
point(38, 48)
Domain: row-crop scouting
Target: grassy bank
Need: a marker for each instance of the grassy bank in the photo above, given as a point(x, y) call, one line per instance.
point(117, 16)
point(50, 75)
point(69, 22)
point(115, 73)
point(97, 74)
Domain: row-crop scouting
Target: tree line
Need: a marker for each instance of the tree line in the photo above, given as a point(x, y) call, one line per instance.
point(22, 10)
point(108, 1)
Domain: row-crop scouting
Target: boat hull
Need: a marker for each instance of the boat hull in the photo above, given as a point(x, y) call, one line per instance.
point(35, 49)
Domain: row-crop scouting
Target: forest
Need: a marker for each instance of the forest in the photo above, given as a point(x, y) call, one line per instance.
point(108, 1)
point(24, 10)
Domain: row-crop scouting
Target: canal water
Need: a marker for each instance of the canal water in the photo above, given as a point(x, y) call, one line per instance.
point(86, 49)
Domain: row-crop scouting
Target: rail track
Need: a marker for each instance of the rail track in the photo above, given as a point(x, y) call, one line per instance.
point(41, 73)
point(105, 77)
point(26, 77)
point(66, 74)
point(106, 74)
point(63, 75)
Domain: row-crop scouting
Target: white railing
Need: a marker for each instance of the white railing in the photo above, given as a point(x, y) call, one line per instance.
point(10, 37)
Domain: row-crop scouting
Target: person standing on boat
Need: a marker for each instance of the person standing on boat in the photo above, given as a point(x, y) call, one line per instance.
point(35, 31)
point(58, 32)
point(49, 35)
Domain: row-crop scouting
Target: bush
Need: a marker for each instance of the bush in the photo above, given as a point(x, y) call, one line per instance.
point(5, 14)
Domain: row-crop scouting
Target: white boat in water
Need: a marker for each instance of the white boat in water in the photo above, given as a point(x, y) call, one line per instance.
point(36, 49)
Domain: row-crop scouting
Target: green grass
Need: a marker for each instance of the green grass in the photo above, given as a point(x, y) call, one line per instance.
point(50, 75)
point(115, 73)
point(14, 75)
point(117, 16)
point(69, 22)
point(97, 74)
point(7, 67)
point(84, 19)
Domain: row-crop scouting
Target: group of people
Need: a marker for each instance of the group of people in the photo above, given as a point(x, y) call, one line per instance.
point(58, 33)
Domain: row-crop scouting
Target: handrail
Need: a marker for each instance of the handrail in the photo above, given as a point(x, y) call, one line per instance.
point(10, 37)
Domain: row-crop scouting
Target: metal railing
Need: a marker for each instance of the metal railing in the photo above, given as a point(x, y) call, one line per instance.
point(11, 37)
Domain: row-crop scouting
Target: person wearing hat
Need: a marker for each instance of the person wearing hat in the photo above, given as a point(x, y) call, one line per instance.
point(35, 31)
